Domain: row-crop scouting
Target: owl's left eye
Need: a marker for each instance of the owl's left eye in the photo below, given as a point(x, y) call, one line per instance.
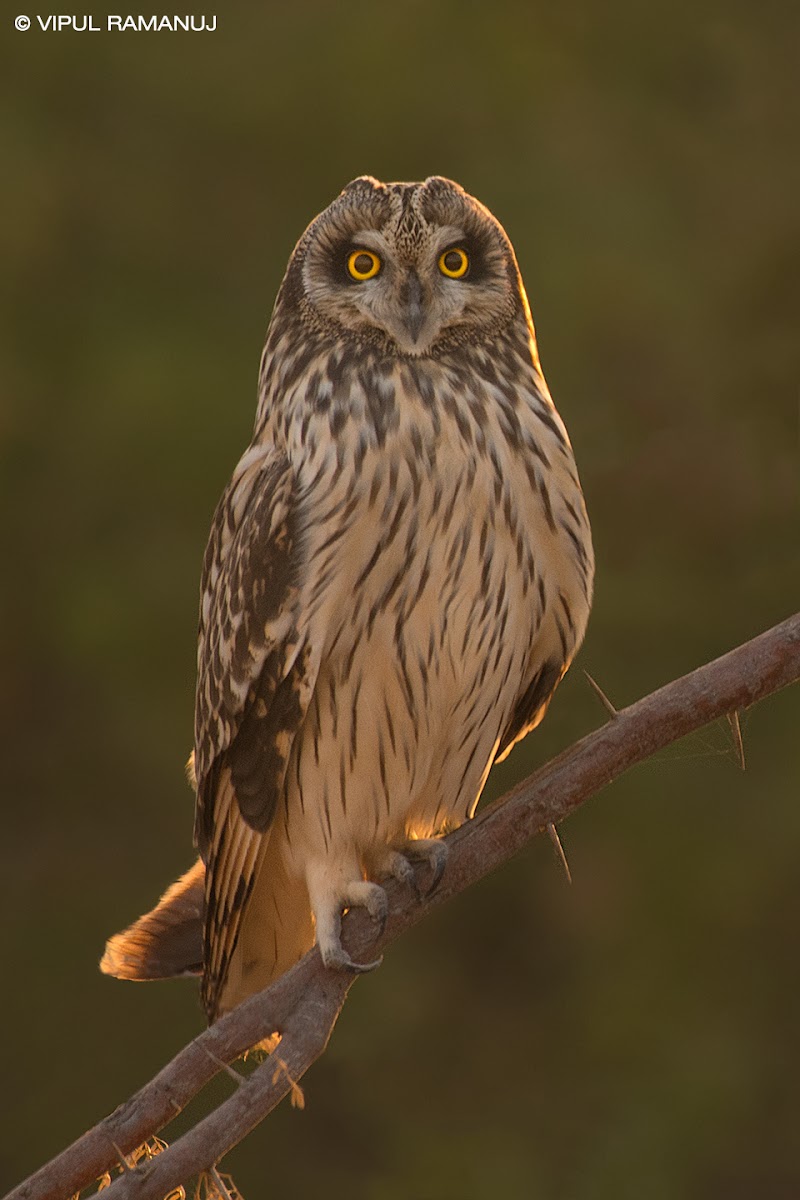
point(454, 263)
point(363, 264)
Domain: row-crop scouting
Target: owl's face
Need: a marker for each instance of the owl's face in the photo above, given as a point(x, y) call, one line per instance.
point(413, 267)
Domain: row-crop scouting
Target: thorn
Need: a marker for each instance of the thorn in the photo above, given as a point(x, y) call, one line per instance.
point(602, 697)
point(126, 1166)
point(240, 1079)
point(219, 1183)
point(556, 840)
point(178, 1109)
point(736, 730)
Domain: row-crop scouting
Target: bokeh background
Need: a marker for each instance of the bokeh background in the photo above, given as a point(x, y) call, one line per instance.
point(636, 1034)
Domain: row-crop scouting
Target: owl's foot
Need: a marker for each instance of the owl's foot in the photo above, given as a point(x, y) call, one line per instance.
point(358, 894)
point(431, 851)
point(399, 867)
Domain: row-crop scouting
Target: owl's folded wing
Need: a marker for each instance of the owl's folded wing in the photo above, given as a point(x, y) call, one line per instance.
point(255, 680)
point(531, 705)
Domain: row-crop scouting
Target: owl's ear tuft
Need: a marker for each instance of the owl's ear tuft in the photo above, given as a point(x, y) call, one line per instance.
point(438, 186)
point(365, 184)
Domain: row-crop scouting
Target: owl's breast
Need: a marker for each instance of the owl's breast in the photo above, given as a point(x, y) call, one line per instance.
point(440, 574)
point(466, 488)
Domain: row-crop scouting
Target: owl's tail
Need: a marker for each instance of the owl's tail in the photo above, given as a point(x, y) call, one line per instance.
point(277, 929)
point(164, 943)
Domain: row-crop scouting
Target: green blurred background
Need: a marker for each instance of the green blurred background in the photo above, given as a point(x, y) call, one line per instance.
point(635, 1035)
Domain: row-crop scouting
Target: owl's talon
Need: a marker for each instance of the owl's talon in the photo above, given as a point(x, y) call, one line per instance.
point(358, 894)
point(401, 870)
point(373, 898)
point(380, 920)
point(438, 862)
point(336, 958)
point(434, 853)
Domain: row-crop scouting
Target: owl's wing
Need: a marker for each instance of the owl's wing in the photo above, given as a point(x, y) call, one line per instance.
point(531, 704)
point(254, 685)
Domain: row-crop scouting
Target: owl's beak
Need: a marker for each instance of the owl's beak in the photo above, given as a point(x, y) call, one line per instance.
point(412, 302)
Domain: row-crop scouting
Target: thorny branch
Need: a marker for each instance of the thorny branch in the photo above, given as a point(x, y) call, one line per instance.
point(304, 1004)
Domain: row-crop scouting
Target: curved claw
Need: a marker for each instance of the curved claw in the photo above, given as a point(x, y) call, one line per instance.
point(380, 920)
point(337, 959)
point(438, 862)
point(404, 873)
point(435, 854)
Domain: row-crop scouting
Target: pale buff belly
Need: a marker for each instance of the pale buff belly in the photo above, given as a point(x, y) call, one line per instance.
point(406, 718)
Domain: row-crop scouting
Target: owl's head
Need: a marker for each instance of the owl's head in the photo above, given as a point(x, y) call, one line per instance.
point(411, 267)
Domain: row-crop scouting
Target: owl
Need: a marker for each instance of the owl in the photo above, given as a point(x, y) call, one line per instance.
point(398, 575)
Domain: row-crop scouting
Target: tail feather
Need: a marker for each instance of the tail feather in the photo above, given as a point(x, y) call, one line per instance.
point(276, 931)
point(166, 942)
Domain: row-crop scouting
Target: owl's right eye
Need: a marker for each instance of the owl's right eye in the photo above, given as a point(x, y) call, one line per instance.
point(363, 264)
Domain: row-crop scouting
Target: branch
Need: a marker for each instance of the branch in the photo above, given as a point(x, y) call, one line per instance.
point(303, 1004)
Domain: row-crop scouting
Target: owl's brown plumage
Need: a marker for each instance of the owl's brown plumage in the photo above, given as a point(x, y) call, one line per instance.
point(398, 575)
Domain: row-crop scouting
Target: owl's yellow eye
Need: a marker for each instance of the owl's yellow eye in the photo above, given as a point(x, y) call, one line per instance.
point(363, 264)
point(454, 263)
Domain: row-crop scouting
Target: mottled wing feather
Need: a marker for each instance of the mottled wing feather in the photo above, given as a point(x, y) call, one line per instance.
point(531, 705)
point(254, 685)
point(232, 864)
point(249, 598)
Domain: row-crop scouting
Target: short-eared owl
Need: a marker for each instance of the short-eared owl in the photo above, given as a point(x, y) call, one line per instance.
point(398, 575)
